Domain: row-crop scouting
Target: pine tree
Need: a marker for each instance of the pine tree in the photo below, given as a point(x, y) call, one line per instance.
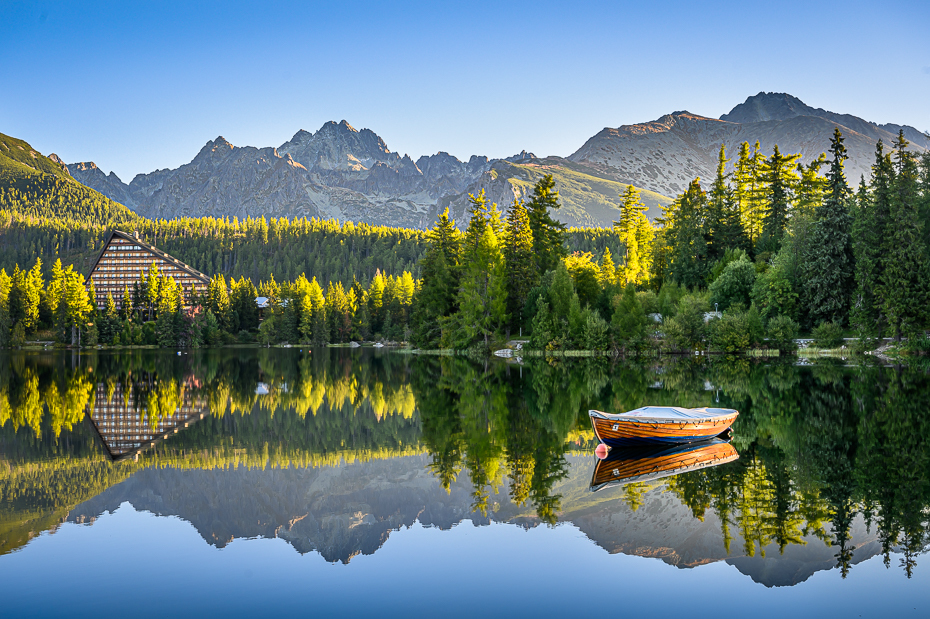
point(870, 234)
point(125, 307)
point(629, 323)
point(722, 229)
point(218, 300)
point(482, 295)
point(687, 247)
point(548, 234)
point(54, 291)
point(607, 271)
point(521, 270)
point(906, 275)
point(317, 301)
point(925, 196)
point(830, 263)
point(635, 233)
point(863, 313)
point(437, 294)
point(781, 180)
point(749, 190)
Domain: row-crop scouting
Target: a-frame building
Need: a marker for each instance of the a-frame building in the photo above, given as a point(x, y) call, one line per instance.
point(124, 257)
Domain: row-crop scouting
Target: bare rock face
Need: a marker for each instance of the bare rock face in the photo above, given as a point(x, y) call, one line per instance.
point(337, 172)
point(667, 154)
point(110, 185)
point(340, 172)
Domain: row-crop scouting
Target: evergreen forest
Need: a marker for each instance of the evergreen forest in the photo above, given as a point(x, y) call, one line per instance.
point(770, 249)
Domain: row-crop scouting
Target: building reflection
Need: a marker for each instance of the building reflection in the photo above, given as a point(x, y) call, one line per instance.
point(127, 426)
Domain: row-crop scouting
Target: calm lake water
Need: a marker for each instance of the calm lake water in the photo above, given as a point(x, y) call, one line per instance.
point(257, 481)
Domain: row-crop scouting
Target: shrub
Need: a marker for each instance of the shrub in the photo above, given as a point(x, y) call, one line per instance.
point(596, 331)
point(18, 339)
point(729, 256)
point(774, 295)
point(629, 321)
point(734, 284)
point(737, 330)
point(827, 335)
point(782, 332)
point(918, 344)
point(687, 328)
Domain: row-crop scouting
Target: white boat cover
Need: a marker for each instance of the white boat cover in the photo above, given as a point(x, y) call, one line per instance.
point(676, 412)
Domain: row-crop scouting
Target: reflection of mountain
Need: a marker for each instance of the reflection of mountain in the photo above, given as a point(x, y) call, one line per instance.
point(350, 509)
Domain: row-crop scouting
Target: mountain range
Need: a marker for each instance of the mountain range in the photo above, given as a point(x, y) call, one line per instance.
point(340, 172)
point(352, 509)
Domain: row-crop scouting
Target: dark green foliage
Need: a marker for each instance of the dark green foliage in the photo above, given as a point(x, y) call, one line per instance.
point(827, 335)
point(734, 284)
point(688, 247)
point(520, 262)
point(548, 234)
point(906, 276)
point(774, 295)
point(737, 330)
point(830, 263)
point(723, 229)
point(630, 323)
point(780, 179)
point(687, 328)
point(781, 332)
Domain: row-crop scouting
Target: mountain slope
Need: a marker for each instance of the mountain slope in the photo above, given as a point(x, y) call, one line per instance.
point(40, 187)
point(587, 199)
point(340, 172)
point(666, 154)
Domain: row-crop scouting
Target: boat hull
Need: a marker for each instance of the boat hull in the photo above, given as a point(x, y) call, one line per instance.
point(619, 431)
point(644, 464)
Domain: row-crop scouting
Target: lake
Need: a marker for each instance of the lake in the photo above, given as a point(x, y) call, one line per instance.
point(249, 482)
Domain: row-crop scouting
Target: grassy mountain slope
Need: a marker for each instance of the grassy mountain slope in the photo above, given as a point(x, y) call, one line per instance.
point(589, 198)
point(15, 151)
point(38, 187)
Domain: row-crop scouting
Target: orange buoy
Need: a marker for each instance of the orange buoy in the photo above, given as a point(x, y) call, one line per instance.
point(601, 451)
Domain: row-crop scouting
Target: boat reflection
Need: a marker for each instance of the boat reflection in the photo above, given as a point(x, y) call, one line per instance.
point(625, 465)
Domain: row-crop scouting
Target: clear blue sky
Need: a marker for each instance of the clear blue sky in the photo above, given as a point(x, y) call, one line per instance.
point(136, 86)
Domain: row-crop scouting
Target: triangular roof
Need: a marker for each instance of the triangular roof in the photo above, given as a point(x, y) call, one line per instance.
point(150, 248)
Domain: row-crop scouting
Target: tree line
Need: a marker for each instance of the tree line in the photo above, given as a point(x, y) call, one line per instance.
point(772, 248)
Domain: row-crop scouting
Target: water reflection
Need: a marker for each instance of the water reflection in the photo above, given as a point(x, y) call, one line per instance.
point(334, 450)
point(645, 464)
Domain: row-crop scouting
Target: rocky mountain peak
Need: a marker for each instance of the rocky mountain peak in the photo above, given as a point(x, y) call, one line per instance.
point(83, 166)
point(770, 106)
point(521, 157)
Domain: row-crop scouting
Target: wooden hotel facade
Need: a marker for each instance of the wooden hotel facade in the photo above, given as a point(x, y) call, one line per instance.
point(124, 257)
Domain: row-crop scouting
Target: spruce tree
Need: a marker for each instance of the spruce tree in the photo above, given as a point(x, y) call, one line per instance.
point(830, 265)
point(439, 269)
point(635, 233)
point(521, 270)
point(688, 248)
point(482, 294)
point(870, 231)
point(548, 234)
point(925, 197)
point(715, 227)
point(906, 277)
point(780, 180)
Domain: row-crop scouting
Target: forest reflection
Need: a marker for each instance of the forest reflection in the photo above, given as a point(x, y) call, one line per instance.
point(818, 446)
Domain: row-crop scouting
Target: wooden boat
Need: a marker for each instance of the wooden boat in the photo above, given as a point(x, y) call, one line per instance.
point(661, 424)
point(626, 465)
